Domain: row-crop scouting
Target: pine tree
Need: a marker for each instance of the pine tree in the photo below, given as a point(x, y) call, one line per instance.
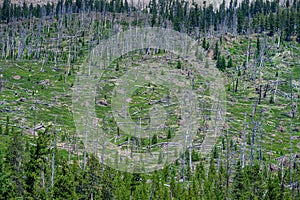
point(7, 125)
point(153, 12)
point(65, 183)
point(25, 9)
point(6, 6)
point(179, 65)
point(209, 184)
point(122, 183)
point(154, 139)
point(239, 187)
point(6, 186)
point(216, 51)
point(14, 162)
point(257, 45)
point(204, 43)
point(169, 134)
point(273, 189)
point(240, 21)
point(229, 63)
point(221, 63)
point(36, 163)
point(255, 180)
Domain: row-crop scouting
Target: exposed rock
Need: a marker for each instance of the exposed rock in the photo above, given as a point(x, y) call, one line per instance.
point(281, 129)
point(3, 103)
point(102, 102)
point(161, 136)
point(210, 53)
point(283, 160)
point(274, 168)
point(296, 128)
point(129, 100)
point(17, 77)
point(44, 82)
point(226, 126)
point(22, 99)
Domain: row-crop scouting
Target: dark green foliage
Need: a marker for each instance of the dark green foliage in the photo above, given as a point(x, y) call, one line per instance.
point(221, 63)
point(239, 188)
point(257, 46)
point(6, 10)
point(229, 63)
point(25, 160)
point(38, 153)
point(271, 101)
point(195, 156)
point(205, 44)
point(21, 171)
point(215, 152)
point(154, 139)
point(169, 136)
point(64, 186)
point(179, 65)
point(117, 67)
point(7, 125)
point(216, 51)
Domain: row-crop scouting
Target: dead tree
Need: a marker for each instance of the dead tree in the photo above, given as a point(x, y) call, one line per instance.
point(244, 141)
point(293, 112)
point(53, 153)
point(261, 62)
point(22, 39)
point(291, 158)
point(276, 88)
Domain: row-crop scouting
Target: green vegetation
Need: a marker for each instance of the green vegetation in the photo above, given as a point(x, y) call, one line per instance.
point(254, 45)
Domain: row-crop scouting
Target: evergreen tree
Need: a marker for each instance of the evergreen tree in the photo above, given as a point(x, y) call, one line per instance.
point(7, 125)
point(36, 163)
point(221, 63)
point(154, 139)
point(6, 186)
point(179, 65)
point(239, 188)
point(216, 51)
point(169, 134)
point(229, 63)
point(6, 7)
point(14, 163)
point(65, 183)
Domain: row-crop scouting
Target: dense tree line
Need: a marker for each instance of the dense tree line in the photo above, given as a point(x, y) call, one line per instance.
point(253, 17)
point(26, 171)
point(200, 21)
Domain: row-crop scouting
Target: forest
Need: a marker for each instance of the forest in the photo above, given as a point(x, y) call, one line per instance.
point(252, 46)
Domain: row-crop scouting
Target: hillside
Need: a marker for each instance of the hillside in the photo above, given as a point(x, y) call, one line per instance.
point(215, 3)
point(129, 104)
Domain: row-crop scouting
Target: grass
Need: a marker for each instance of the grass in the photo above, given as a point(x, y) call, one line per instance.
point(55, 99)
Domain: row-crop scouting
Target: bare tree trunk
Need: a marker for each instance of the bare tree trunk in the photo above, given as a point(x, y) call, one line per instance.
point(292, 97)
point(53, 153)
point(244, 141)
point(253, 134)
point(291, 160)
point(276, 87)
point(261, 62)
point(227, 164)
